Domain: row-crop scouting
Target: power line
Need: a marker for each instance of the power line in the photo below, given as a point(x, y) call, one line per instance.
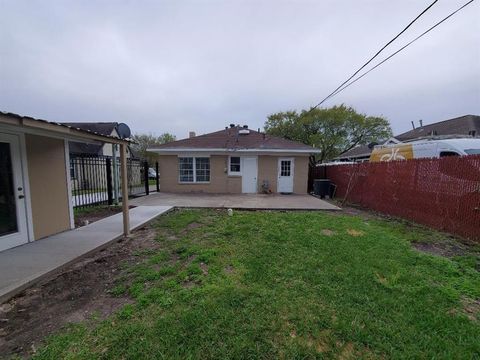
point(378, 53)
point(402, 48)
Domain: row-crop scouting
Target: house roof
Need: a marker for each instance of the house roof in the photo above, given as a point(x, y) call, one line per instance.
point(458, 126)
point(84, 148)
point(104, 128)
point(232, 139)
point(357, 151)
point(62, 128)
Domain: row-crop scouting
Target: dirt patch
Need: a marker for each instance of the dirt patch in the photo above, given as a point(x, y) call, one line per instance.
point(79, 293)
point(471, 308)
point(204, 268)
point(229, 269)
point(443, 248)
point(89, 216)
point(355, 233)
point(327, 232)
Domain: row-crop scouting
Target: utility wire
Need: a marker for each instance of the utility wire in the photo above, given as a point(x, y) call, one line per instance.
point(402, 48)
point(374, 56)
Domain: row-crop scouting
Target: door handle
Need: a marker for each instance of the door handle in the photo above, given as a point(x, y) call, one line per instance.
point(21, 196)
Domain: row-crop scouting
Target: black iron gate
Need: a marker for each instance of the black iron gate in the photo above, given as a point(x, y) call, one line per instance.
point(96, 180)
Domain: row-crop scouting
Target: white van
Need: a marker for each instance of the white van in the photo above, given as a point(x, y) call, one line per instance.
point(426, 148)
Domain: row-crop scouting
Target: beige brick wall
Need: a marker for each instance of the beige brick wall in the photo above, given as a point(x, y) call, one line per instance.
point(220, 182)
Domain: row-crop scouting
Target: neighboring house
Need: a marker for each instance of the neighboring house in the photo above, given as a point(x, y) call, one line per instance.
point(113, 129)
point(234, 160)
point(89, 174)
point(467, 126)
point(35, 189)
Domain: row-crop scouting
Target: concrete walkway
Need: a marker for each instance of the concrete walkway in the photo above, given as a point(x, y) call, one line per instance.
point(21, 266)
point(237, 201)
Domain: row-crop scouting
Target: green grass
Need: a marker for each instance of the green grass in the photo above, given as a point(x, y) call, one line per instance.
point(273, 285)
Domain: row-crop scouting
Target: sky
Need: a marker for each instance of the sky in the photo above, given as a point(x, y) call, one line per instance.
point(179, 66)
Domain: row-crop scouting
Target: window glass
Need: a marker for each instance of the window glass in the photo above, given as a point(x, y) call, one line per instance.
point(448, 153)
point(235, 164)
point(472, 151)
point(285, 168)
point(202, 169)
point(185, 168)
point(8, 206)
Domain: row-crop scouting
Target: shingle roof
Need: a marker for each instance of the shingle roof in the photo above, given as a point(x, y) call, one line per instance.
point(232, 139)
point(458, 126)
point(358, 151)
point(103, 128)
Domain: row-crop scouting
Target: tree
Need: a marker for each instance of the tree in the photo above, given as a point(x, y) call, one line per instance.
point(144, 141)
point(332, 130)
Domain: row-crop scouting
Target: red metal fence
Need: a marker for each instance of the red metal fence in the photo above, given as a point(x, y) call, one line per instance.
point(441, 193)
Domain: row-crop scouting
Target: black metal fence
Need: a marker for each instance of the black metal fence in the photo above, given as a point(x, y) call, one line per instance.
point(97, 179)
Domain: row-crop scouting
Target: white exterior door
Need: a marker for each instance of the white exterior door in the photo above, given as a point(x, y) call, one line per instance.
point(249, 175)
point(286, 168)
point(13, 216)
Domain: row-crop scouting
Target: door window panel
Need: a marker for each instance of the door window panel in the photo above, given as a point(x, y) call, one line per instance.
point(8, 210)
point(285, 168)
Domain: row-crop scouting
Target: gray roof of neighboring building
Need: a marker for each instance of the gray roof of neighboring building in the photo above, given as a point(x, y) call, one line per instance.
point(458, 126)
point(357, 151)
point(103, 128)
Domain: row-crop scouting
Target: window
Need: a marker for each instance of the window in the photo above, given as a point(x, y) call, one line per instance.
point(448, 153)
point(194, 169)
point(202, 169)
point(234, 167)
point(285, 168)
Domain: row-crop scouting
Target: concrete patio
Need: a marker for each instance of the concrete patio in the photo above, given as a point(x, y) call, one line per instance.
point(23, 265)
point(236, 201)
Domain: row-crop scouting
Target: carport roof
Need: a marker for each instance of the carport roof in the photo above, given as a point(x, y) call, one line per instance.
point(51, 126)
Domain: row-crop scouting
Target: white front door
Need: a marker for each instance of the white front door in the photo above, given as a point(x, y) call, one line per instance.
point(13, 216)
point(249, 174)
point(286, 167)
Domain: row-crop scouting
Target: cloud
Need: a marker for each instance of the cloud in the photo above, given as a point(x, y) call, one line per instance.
point(199, 65)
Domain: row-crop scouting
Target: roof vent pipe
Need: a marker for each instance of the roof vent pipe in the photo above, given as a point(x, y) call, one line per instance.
point(245, 126)
point(413, 125)
point(421, 122)
point(191, 134)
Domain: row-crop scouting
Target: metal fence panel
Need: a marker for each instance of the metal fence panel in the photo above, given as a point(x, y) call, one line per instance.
point(92, 179)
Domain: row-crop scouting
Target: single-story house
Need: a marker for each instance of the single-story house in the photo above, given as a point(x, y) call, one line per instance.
point(35, 187)
point(234, 160)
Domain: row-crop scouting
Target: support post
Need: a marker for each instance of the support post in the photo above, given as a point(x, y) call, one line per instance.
point(157, 178)
point(123, 167)
point(145, 177)
point(108, 164)
point(115, 173)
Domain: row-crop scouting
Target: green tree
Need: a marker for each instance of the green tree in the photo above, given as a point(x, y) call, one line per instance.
point(332, 130)
point(144, 141)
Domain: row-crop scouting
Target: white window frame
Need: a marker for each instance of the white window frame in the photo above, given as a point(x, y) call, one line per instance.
point(229, 166)
point(194, 169)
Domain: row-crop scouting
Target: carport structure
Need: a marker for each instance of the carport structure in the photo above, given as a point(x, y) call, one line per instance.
point(35, 187)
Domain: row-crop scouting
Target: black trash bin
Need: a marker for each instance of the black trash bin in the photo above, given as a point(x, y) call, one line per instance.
point(321, 187)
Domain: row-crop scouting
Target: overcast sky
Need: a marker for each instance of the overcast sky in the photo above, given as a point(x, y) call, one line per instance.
point(175, 66)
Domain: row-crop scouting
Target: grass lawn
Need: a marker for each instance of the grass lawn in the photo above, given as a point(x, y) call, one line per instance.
point(286, 285)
